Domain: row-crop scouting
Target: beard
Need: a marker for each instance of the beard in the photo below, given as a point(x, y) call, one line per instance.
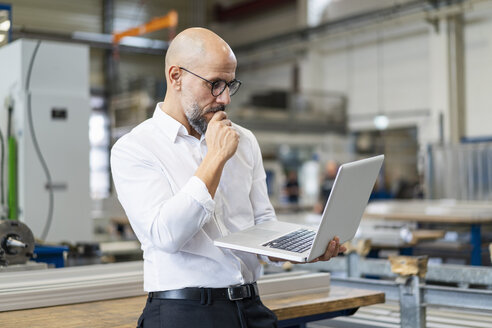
point(196, 117)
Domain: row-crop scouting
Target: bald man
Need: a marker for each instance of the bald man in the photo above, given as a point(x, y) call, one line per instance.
point(187, 176)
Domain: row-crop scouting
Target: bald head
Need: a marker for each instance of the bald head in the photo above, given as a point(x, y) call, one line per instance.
point(196, 47)
point(194, 59)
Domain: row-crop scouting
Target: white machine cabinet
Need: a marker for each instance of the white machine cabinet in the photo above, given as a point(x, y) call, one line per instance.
point(60, 105)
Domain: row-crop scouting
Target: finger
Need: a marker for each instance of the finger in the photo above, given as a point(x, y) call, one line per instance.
point(337, 249)
point(334, 249)
point(226, 122)
point(329, 252)
point(336, 239)
point(340, 248)
point(232, 131)
point(219, 116)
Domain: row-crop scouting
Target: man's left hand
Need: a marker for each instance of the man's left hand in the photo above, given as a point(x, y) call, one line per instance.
point(333, 249)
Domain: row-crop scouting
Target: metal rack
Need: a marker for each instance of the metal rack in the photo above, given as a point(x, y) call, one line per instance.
point(412, 293)
point(462, 172)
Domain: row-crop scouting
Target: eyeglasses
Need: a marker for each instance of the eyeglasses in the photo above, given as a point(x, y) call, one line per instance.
point(220, 85)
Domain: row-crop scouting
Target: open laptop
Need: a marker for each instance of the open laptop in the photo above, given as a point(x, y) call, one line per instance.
point(341, 217)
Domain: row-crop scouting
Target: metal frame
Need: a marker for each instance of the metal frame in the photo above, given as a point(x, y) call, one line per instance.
point(356, 267)
point(473, 299)
point(476, 243)
point(414, 297)
point(476, 139)
point(411, 292)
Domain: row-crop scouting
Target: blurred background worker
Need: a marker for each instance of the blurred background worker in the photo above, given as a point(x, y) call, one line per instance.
point(327, 181)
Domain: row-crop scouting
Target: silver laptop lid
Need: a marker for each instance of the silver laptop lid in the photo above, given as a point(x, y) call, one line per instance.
point(348, 199)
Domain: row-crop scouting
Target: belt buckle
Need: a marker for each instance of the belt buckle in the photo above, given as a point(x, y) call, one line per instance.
point(231, 293)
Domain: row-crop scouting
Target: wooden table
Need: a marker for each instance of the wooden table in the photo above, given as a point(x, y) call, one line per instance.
point(292, 311)
point(469, 213)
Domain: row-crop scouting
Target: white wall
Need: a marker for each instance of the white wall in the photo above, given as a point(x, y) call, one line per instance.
point(401, 69)
point(478, 71)
point(340, 9)
point(381, 71)
point(57, 15)
point(277, 76)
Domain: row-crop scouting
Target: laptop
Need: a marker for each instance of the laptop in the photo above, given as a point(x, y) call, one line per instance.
point(341, 217)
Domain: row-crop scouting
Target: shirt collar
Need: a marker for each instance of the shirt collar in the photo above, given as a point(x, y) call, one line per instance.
point(171, 128)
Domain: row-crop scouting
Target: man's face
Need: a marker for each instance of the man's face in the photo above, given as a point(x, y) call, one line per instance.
point(198, 102)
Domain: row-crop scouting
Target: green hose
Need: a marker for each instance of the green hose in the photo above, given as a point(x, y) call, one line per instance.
point(12, 179)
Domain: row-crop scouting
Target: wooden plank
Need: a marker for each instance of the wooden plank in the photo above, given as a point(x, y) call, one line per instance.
point(123, 313)
point(433, 211)
point(427, 218)
point(337, 299)
point(118, 313)
point(409, 265)
point(425, 235)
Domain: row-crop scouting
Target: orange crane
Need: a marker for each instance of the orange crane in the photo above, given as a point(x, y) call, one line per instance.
point(167, 21)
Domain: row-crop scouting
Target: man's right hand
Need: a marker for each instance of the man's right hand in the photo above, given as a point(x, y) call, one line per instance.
point(222, 139)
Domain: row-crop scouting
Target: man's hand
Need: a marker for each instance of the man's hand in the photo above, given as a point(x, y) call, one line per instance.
point(222, 139)
point(333, 249)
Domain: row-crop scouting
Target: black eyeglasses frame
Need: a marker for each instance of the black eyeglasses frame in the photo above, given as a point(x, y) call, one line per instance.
point(213, 84)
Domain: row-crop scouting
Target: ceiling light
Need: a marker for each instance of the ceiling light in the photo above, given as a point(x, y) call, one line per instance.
point(5, 26)
point(2, 38)
point(381, 122)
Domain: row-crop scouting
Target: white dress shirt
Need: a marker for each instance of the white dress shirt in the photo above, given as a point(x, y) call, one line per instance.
point(172, 212)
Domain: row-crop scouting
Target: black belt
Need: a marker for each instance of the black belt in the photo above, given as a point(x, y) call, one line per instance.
point(234, 293)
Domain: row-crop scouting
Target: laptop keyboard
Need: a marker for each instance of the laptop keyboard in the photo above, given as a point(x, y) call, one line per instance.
point(298, 241)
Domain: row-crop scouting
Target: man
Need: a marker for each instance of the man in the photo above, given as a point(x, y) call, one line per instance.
point(327, 182)
point(187, 176)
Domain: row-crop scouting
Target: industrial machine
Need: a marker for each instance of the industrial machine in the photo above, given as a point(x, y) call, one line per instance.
point(16, 242)
point(44, 112)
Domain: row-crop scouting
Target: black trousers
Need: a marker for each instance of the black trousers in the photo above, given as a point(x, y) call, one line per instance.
point(246, 313)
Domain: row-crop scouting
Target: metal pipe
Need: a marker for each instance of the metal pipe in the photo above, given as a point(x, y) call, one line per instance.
point(11, 242)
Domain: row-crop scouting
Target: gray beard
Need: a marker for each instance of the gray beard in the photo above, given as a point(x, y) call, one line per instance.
point(197, 119)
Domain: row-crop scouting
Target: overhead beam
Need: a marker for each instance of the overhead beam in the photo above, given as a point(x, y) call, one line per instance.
point(97, 40)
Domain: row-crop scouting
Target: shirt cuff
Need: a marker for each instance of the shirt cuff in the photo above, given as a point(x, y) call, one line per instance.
point(197, 189)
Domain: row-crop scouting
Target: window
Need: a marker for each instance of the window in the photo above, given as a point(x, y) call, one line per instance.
point(99, 137)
